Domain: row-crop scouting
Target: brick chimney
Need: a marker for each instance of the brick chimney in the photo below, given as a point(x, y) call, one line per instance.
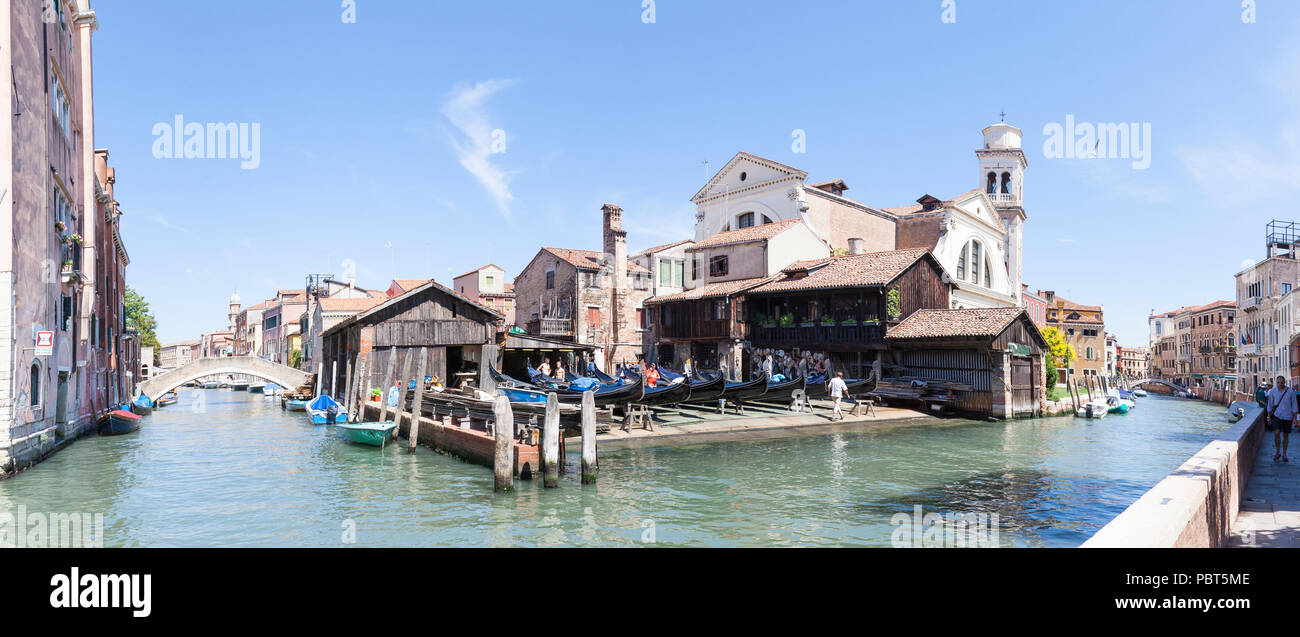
point(616, 243)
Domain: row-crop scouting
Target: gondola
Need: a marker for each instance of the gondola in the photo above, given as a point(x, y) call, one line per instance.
point(142, 406)
point(670, 394)
point(629, 392)
point(816, 386)
point(783, 390)
point(746, 391)
point(705, 390)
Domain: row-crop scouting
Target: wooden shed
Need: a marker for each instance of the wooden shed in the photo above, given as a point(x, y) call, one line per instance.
point(451, 329)
point(976, 362)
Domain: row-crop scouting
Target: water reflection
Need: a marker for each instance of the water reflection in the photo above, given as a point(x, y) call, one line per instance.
point(242, 472)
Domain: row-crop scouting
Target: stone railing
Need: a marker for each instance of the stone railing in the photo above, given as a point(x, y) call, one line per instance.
point(1194, 506)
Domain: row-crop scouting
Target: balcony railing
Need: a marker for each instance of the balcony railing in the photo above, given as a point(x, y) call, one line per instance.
point(1249, 350)
point(1252, 304)
point(1003, 198)
point(551, 327)
point(816, 336)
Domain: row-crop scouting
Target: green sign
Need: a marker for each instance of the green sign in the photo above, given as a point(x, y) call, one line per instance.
point(1017, 349)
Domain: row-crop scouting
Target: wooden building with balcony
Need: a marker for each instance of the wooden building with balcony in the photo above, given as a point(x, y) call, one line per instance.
point(451, 330)
point(836, 306)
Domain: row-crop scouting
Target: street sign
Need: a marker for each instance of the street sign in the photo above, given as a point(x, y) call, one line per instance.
point(45, 343)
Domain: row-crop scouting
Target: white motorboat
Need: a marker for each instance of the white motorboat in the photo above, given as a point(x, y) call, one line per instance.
point(1095, 409)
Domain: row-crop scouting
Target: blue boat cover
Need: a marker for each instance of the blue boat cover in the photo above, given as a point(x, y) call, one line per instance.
point(322, 403)
point(584, 383)
point(143, 401)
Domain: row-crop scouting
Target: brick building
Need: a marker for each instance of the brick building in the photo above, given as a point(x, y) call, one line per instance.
point(1084, 328)
point(587, 297)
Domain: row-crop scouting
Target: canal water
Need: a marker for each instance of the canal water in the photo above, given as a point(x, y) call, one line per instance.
point(227, 468)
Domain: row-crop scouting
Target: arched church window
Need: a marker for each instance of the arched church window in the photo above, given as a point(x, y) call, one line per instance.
point(766, 220)
point(993, 183)
point(745, 220)
point(1006, 183)
point(988, 273)
point(961, 263)
point(975, 262)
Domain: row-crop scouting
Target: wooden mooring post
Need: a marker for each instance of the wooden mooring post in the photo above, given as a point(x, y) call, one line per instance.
point(359, 414)
point(334, 373)
point(551, 443)
point(320, 371)
point(347, 385)
point(417, 411)
point(402, 384)
point(589, 462)
point(503, 460)
point(390, 369)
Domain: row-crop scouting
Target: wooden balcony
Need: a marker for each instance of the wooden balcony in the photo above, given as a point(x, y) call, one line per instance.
point(820, 337)
point(552, 327)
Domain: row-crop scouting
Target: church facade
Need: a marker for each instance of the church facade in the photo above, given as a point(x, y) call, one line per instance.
point(976, 236)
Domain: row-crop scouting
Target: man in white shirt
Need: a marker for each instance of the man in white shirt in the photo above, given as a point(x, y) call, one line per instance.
point(1282, 410)
point(838, 389)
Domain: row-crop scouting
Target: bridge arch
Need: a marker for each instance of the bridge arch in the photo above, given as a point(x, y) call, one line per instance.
point(281, 375)
point(1158, 381)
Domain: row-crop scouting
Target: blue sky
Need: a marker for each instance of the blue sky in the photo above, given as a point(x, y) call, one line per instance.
point(375, 132)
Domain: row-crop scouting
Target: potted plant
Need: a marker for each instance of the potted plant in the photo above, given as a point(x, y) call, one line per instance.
point(74, 239)
point(828, 320)
point(375, 394)
point(787, 320)
point(59, 227)
point(850, 322)
point(894, 305)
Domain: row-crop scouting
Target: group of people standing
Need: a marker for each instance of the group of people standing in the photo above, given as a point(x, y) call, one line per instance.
point(790, 364)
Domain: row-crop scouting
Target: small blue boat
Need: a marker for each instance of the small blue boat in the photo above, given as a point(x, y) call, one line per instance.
point(323, 410)
point(367, 433)
point(295, 405)
point(523, 395)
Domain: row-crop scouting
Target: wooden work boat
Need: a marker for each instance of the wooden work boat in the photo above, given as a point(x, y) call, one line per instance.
point(166, 399)
point(323, 410)
point(119, 422)
point(374, 434)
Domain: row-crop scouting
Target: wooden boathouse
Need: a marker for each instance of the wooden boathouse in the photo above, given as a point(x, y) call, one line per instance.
point(975, 362)
point(451, 329)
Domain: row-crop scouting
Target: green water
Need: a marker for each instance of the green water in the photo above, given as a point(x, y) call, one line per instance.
point(242, 472)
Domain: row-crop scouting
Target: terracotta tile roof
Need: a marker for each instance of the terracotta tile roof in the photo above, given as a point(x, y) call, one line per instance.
point(510, 288)
point(407, 285)
point(349, 305)
point(849, 271)
point(970, 323)
point(588, 259)
point(1213, 306)
point(710, 291)
point(744, 235)
point(666, 246)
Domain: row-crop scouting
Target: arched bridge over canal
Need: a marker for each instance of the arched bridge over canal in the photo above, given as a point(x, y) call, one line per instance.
point(281, 375)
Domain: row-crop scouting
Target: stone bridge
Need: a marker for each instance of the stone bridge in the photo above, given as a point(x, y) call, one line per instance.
point(1157, 381)
point(281, 375)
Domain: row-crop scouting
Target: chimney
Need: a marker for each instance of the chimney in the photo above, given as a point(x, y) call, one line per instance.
point(855, 246)
point(615, 243)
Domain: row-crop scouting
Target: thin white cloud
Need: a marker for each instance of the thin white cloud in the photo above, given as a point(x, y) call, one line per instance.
point(465, 110)
point(164, 222)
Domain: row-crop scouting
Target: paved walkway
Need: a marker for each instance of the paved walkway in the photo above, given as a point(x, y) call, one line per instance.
point(1270, 510)
point(704, 424)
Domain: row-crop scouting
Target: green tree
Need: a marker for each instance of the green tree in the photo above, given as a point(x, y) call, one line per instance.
point(140, 319)
point(295, 358)
point(1052, 376)
point(1059, 351)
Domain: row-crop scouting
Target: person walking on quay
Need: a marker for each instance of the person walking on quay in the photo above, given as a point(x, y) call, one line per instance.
point(1282, 409)
point(838, 389)
point(1261, 395)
